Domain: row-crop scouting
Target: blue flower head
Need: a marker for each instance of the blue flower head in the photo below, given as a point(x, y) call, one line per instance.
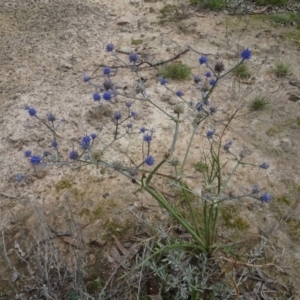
point(93, 136)
point(129, 125)
point(212, 82)
point(107, 96)
point(133, 57)
point(54, 144)
point(27, 153)
point(264, 166)
point(128, 104)
point(117, 116)
point(210, 133)
point(265, 197)
point(51, 117)
point(163, 81)
point(143, 130)
point(147, 138)
point(149, 160)
point(74, 155)
point(203, 60)
point(35, 160)
point(110, 47)
point(179, 93)
point(46, 153)
point(85, 142)
point(133, 114)
point(106, 71)
point(208, 74)
point(32, 112)
point(246, 54)
point(197, 78)
point(96, 96)
point(86, 78)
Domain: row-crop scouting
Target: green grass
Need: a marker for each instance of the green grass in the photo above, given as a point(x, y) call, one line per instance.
point(259, 103)
point(201, 166)
point(211, 4)
point(242, 71)
point(286, 19)
point(272, 2)
point(282, 69)
point(178, 71)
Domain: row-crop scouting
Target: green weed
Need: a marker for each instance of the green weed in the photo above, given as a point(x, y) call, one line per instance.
point(211, 4)
point(286, 19)
point(282, 69)
point(271, 2)
point(242, 71)
point(201, 166)
point(259, 103)
point(63, 184)
point(175, 71)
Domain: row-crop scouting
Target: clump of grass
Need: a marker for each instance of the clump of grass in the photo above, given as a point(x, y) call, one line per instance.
point(282, 69)
point(242, 71)
point(272, 2)
point(211, 4)
point(175, 71)
point(201, 166)
point(259, 103)
point(63, 184)
point(286, 19)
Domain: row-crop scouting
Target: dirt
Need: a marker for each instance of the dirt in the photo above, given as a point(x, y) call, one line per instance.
point(47, 47)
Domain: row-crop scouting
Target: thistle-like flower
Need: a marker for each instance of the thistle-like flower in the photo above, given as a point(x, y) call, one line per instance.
point(203, 60)
point(246, 54)
point(149, 160)
point(110, 47)
point(219, 67)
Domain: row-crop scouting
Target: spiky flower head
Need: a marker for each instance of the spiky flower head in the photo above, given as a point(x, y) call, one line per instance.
point(85, 142)
point(51, 117)
point(227, 146)
point(179, 93)
point(27, 153)
point(35, 160)
point(133, 172)
point(143, 129)
point(133, 114)
point(96, 96)
point(54, 144)
point(246, 54)
point(163, 81)
point(107, 96)
point(212, 110)
point(255, 189)
point(93, 136)
point(219, 67)
point(203, 60)
point(86, 78)
point(133, 57)
point(128, 104)
point(129, 125)
point(117, 116)
point(208, 74)
point(197, 79)
point(106, 71)
point(110, 47)
point(147, 138)
point(264, 165)
point(212, 82)
point(149, 160)
point(265, 198)
point(117, 165)
point(32, 112)
point(210, 134)
point(107, 84)
point(178, 109)
point(73, 155)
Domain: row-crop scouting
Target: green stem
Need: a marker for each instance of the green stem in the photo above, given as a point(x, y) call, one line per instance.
point(188, 150)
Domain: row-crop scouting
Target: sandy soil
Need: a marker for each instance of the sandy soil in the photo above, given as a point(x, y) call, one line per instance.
point(47, 47)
